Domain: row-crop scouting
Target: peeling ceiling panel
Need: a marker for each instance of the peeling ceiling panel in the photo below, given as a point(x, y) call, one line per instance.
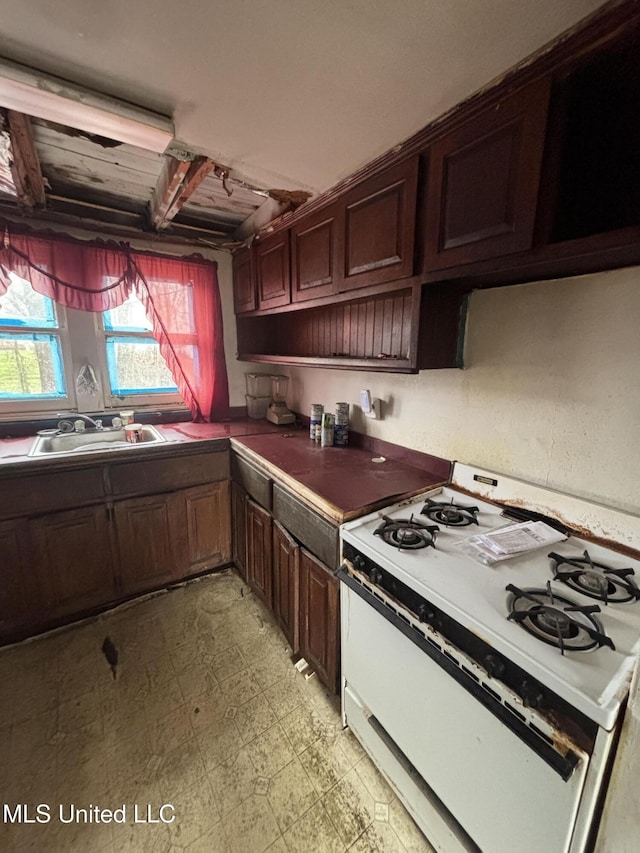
point(68, 159)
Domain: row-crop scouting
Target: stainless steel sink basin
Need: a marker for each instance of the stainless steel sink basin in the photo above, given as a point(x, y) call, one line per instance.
point(91, 440)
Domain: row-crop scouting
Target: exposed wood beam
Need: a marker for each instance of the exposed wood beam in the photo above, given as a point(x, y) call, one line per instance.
point(165, 192)
point(178, 180)
point(200, 168)
point(25, 168)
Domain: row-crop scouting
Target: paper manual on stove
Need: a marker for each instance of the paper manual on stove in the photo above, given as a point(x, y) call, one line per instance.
point(510, 541)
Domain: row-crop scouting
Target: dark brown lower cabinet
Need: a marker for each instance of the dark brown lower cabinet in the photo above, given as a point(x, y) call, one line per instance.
point(75, 540)
point(286, 573)
point(319, 618)
point(239, 528)
point(259, 552)
point(207, 526)
point(17, 606)
point(72, 561)
point(147, 556)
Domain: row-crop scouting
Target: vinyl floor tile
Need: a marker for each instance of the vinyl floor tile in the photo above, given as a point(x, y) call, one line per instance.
point(251, 826)
point(314, 833)
point(208, 714)
point(290, 794)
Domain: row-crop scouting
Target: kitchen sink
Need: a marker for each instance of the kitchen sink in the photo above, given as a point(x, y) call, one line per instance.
point(91, 440)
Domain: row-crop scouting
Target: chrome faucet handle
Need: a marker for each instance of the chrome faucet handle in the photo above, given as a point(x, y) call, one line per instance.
point(65, 425)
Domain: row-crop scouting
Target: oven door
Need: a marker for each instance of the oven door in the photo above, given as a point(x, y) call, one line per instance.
point(475, 771)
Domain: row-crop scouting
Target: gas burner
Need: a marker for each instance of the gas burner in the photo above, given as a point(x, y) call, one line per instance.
point(450, 514)
point(407, 534)
point(544, 614)
point(613, 586)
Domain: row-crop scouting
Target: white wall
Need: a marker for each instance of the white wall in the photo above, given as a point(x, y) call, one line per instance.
point(550, 391)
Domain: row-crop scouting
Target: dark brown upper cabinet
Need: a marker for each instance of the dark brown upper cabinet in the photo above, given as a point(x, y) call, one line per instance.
point(376, 239)
point(244, 286)
point(315, 265)
point(484, 180)
point(273, 277)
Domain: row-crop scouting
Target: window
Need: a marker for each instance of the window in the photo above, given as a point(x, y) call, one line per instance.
point(31, 352)
point(134, 363)
point(43, 348)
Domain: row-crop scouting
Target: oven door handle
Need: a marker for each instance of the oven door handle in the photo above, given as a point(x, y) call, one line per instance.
point(564, 765)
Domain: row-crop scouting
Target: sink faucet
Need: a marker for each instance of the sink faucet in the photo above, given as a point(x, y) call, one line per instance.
point(70, 417)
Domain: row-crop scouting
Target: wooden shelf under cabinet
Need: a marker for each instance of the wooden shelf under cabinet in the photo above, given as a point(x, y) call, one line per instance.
point(401, 331)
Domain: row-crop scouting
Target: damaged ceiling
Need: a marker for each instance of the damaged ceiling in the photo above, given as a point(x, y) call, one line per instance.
point(275, 96)
point(78, 175)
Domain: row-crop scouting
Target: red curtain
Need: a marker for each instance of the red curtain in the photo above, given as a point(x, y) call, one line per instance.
point(181, 297)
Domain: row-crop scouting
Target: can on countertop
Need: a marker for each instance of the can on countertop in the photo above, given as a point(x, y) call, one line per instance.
point(341, 429)
point(315, 425)
point(328, 421)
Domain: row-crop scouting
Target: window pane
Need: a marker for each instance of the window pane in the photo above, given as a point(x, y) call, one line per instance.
point(30, 367)
point(128, 317)
point(22, 306)
point(176, 303)
point(137, 367)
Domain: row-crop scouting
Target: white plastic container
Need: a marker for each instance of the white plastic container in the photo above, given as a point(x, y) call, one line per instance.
point(258, 385)
point(257, 406)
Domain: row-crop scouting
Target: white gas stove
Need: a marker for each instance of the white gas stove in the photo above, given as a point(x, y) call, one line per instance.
point(536, 652)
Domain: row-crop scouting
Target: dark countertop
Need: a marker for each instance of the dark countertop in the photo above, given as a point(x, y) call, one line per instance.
point(341, 482)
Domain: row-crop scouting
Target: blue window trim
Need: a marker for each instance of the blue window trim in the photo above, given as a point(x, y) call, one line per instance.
point(56, 359)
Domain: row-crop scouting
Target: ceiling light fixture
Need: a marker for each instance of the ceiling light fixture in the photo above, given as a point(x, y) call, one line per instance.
point(52, 99)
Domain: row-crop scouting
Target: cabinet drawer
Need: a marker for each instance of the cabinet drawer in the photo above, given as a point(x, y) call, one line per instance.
point(253, 481)
point(165, 475)
point(315, 533)
point(46, 492)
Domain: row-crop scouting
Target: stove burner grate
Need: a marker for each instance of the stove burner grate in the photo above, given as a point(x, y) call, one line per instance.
point(546, 615)
point(407, 534)
point(582, 574)
point(450, 514)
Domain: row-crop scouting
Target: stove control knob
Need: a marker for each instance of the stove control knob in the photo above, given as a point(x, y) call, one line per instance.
point(495, 666)
point(358, 562)
point(532, 696)
point(425, 613)
point(376, 576)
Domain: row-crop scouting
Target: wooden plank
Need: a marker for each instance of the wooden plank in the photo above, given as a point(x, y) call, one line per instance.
point(198, 171)
point(26, 171)
point(57, 149)
point(112, 179)
point(169, 182)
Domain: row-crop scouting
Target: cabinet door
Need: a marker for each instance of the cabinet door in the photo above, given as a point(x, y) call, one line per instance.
point(72, 561)
point(315, 265)
point(286, 558)
point(319, 618)
point(272, 271)
point(377, 233)
point(208, 526)
point(239, 528)
point(244, 286)
point(484, 180)
point(259, 552)
point(145, 536)
point(18, 607)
